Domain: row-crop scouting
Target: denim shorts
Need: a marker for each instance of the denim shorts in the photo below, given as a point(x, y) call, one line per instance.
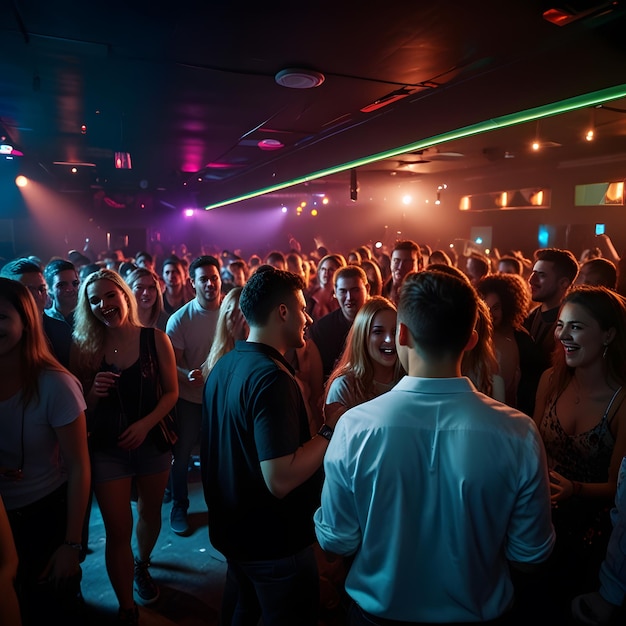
point(115, 463)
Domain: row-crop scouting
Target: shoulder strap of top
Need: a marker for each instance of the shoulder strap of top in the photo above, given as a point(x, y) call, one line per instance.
point(610, 405)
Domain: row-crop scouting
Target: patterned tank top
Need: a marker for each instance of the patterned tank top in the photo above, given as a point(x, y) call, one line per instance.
point(584, 457)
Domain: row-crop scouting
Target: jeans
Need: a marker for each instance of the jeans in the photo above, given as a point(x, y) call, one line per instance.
point(188, 423)
point(284, 592)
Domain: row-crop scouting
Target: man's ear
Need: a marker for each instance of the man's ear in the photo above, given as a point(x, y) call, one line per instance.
point(473, 340)
point(282, 311)
point(404, 336)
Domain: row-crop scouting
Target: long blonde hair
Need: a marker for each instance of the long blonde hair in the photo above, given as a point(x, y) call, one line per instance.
point(355, 362)
point(35, 355)
point(89, 332)
point(224, 340)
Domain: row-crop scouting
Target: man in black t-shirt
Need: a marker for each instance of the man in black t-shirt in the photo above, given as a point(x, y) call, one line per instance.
point(553, 273)
point(261, 471)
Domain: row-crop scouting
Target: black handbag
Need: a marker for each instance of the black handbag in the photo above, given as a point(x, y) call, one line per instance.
point(164, 434)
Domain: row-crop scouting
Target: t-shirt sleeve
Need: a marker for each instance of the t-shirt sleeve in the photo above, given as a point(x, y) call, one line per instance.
point(277, 407)
point(340, 391)
point(64, 397)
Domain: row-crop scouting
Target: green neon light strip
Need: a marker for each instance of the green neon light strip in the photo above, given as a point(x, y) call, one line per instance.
point(546, 110)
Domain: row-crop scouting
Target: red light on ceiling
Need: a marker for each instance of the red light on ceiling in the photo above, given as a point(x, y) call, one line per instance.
point(270, 144)
point(557, 16)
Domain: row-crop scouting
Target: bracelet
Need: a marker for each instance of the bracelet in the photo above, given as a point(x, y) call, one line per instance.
point(74, 546)
point(576, 487)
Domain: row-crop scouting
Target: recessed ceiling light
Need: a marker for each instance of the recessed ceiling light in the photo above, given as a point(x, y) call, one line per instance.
point(270, 144)
point(297, 78)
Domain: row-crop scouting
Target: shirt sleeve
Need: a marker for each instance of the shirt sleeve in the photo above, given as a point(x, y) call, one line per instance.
point(336, 521)
point(531, 534)
point(276, 410)
point(172, 330)
point(64, 398)
point(339, 391)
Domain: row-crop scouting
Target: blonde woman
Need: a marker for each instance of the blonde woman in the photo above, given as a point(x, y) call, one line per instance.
point(144, 284)
point(369, 364)
point(129, 377)
point(231, 327)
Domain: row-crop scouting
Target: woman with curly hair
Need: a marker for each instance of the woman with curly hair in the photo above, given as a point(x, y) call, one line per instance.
point(369, 364)
point(130, 382)
point(519, 360)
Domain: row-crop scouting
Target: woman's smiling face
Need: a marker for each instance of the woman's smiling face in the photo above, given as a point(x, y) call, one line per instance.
point(107, 302)
point(381, 344)
point(580, 335)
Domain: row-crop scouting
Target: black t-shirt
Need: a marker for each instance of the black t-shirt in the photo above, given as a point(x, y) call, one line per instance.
point(253, 411)
point(329, 335)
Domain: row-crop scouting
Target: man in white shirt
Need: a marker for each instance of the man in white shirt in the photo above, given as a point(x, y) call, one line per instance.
point(435, 488)
point(191, 330)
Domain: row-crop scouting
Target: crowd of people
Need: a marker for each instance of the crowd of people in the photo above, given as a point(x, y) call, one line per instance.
point(404, 436)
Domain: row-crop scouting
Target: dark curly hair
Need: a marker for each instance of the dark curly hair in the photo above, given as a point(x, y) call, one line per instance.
point(513, 294)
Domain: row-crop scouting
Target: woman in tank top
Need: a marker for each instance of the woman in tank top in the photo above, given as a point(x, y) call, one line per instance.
point(582, 420)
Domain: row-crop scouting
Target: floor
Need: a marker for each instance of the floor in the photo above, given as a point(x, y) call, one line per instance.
point(189, 571)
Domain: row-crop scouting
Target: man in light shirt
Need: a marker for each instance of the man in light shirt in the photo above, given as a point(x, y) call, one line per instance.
point(436, 489)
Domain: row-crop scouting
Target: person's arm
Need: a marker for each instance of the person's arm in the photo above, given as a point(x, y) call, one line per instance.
point(283, 474)
point(136, 433)
point(530, 535)
point(73, 445)
point(337, 524)
point(9, 607)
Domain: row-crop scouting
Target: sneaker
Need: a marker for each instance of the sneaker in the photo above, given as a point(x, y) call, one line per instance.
point(145, 587)
point(128, 617)
point(178, 520)
point(593, 609)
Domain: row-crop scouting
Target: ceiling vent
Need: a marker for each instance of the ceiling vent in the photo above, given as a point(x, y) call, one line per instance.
point(297, 78)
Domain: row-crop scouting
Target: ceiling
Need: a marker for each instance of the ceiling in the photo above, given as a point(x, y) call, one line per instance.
point(189, 90)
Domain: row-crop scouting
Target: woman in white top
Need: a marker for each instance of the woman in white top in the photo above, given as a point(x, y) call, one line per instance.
point(44, 462)
point(369, 363)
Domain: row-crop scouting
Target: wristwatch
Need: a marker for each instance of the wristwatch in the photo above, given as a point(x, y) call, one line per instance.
point(325, 431)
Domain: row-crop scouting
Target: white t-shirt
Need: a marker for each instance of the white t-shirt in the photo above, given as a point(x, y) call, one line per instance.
point(27, 438)
point(191, 329)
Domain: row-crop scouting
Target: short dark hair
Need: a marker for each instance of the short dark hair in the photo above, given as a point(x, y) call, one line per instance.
point(407, 244)
point(54, 267)
point(604, 270)
point(265, 290)
point(204, 261)
point(142, 254)
point(275, 255)
point(514, 261)
point(172, 260)
point(439, 309)
point(350, 271)
point(17, 267)
point(565, 263)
